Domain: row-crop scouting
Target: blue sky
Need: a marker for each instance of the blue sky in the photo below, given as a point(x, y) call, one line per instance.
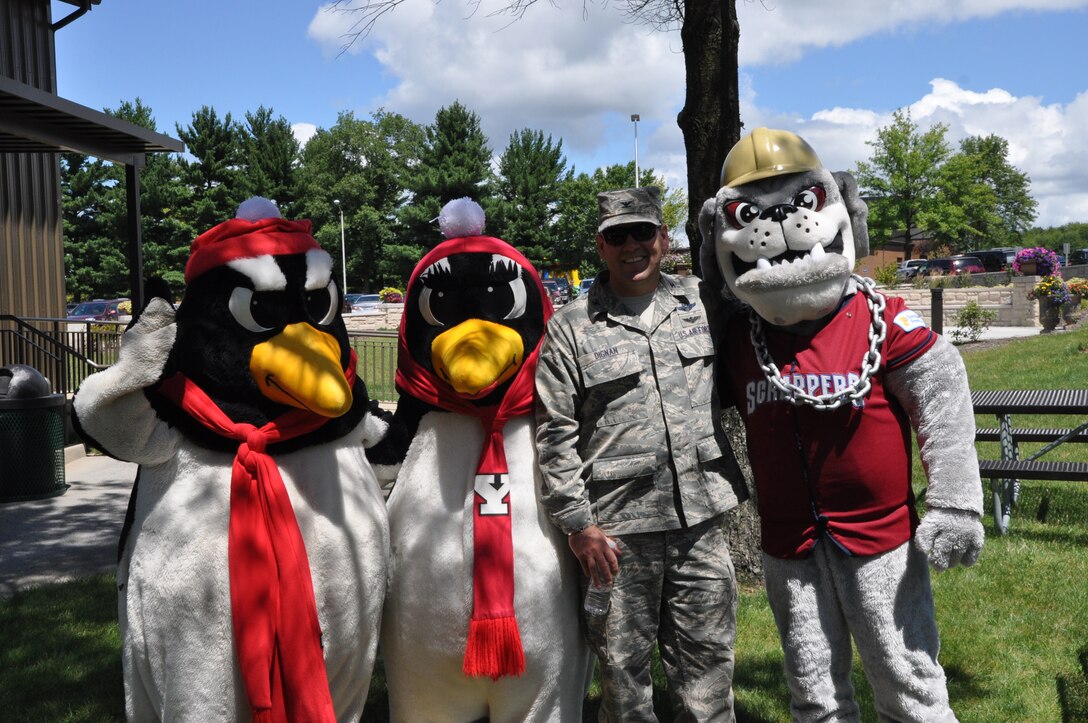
point(833, 72)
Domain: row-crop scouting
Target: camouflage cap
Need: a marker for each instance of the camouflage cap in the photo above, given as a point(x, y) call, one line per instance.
point(629, 205)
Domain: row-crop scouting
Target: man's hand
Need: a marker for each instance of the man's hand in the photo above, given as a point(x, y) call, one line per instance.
point(597, 554)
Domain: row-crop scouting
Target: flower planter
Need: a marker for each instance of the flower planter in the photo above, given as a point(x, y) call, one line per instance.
point(1049, 315)
point(1069, 310)
point(1029, 268)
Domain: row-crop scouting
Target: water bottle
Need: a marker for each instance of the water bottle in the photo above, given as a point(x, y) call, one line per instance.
point(598, 599)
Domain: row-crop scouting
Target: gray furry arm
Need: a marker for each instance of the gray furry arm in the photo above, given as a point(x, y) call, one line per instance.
point(933, 390)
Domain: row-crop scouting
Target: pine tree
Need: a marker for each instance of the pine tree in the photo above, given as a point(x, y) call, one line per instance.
point(454, 162)
point(215, 181)
point(523, 212)
point(271, 160)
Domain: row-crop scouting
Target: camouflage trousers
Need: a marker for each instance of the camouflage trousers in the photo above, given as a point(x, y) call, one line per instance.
point(676, 589)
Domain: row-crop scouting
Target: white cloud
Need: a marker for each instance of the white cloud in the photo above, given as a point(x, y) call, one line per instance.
point(578, 75)
point(554, 69)
point(303, 132)
point(781, 31)
point(1047, 142)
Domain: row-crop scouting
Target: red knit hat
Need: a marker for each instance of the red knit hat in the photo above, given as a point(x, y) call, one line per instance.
point(241, 238)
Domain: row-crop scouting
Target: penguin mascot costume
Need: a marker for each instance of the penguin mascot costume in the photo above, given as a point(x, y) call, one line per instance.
point(481, 619)
point(830, 376)
point(253, 565)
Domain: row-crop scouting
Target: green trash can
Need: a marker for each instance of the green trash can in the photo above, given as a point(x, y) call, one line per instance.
point(32, 448)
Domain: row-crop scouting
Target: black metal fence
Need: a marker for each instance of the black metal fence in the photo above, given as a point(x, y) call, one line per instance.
point(67, 352)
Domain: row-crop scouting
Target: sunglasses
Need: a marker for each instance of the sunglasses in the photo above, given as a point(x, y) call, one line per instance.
point(641, 232)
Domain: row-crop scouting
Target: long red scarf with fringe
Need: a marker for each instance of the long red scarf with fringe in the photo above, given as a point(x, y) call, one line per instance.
point(494, 645)
point(274, 614)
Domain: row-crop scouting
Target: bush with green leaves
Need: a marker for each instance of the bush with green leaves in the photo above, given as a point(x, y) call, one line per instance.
point(885, 275)
point(971, 321)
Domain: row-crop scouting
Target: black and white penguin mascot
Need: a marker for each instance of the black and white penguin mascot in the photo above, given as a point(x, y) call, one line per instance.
point(481, 619)
point(252, 575)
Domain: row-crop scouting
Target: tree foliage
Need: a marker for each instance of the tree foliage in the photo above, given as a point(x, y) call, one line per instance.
point(363, 164)
point(901, 179)
point(966, 200)
point(454, 162)
point(271, 156)
point(523, 211)
point(390, 176)
point(214, 178)
point(710, 118)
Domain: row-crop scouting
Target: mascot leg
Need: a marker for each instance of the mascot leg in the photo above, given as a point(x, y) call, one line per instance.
point(886, 603)
point(814, 635)
point(896, 633)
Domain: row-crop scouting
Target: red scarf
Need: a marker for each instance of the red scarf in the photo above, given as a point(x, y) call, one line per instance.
point(494, 642)
point(276, 630)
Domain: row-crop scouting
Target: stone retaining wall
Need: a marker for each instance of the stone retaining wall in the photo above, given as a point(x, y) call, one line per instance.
point(1010, 302)
point(385, 317)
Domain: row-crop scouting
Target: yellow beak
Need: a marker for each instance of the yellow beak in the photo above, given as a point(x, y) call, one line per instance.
point(476, 355)
point(300, 367)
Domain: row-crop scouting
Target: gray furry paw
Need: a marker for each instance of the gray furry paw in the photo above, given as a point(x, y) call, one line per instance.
point(950, 537)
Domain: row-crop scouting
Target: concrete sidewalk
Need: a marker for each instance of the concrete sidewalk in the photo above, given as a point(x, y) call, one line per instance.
point(70, 536)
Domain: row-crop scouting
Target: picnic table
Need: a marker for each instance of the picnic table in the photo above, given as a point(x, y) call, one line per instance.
point(1005, 473)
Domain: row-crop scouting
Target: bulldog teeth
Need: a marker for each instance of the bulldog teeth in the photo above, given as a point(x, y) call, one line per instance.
point(762, 264)
point(817, 252)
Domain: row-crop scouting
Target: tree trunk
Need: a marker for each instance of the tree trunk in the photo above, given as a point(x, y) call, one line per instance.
point(710, 118)
point(742, 523)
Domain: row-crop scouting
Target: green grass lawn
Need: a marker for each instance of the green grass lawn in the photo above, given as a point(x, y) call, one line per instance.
point(1014, 627)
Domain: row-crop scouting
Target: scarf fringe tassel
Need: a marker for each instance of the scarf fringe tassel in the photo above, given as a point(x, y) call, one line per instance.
point(494, 649)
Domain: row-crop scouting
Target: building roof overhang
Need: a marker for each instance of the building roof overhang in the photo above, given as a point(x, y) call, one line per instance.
point(34, 121)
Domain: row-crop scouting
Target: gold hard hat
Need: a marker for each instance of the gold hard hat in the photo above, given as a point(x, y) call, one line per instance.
point(767, 152)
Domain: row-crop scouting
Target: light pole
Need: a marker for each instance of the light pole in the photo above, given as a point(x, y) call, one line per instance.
point(343, 248)
point(635, 120)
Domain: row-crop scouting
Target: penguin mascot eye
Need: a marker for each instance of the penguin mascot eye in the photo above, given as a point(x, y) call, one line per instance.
point(322, 304)
point(500, 294)
point(257, 311)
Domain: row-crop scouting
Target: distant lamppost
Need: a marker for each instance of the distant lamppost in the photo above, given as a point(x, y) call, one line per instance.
point(635, 119)
point(343, 248)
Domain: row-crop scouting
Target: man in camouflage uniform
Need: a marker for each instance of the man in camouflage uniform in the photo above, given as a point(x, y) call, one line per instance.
point(637, 470)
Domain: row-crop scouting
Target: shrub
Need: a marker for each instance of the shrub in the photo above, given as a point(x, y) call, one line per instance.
point(885, 275)
point(971, 321)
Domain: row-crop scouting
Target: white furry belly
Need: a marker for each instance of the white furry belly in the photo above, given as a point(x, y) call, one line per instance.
point(175, 590)
point(429, 603)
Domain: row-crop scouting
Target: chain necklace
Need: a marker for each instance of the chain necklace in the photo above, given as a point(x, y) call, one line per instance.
point(870, 362)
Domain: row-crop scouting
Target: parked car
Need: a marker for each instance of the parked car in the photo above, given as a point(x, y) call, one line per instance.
point(953, 265)
point(584, 286)
point(556, 292)
point(97, 310)
point(992, 259)
point(909, 269)
point(1078, 256)
point(365, 303)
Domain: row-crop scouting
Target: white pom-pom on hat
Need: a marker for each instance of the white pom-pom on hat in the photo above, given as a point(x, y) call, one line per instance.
point(256, 208)
point(461, 217)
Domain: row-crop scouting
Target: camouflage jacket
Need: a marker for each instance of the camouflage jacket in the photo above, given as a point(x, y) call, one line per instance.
point(628, 421)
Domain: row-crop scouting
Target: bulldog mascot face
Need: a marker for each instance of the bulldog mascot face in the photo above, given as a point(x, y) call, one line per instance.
point(830, 377)
point(783, 231)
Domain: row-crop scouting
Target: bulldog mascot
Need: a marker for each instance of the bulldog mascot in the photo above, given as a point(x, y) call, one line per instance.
point(253, 562)
point(830, 377)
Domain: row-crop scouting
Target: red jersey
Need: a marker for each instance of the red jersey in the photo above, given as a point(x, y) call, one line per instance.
point(845, 472)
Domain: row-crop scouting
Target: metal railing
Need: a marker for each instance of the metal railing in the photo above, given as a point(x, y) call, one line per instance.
point(67, 352)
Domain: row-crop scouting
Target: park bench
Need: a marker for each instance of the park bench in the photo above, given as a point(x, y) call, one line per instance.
point(1005, 473)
